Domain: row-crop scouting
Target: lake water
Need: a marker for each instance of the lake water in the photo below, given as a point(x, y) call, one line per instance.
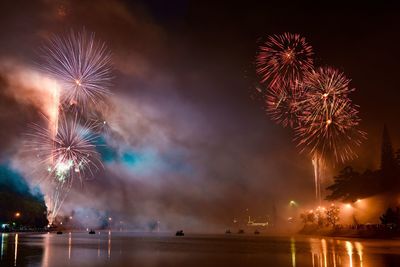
point(135, 249)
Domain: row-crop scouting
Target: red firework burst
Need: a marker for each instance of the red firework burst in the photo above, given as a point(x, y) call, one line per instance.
point(329, 121)
point(284, 58)
point(285, 103)
point(327, 83)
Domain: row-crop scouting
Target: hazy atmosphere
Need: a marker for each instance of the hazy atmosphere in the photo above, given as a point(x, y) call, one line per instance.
point(191, 145)
point(199, 133)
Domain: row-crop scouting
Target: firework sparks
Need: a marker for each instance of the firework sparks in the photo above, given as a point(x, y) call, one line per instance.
point(54, 201)
point(326, 84)
point(284, 104)
point(314, 102)
point(66, 147)
point(80, 64)
point(70, 153)
point(329, 120)
point(284, 58)
point(330, 130)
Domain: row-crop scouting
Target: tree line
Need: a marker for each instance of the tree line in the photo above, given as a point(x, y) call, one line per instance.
point(350, 185)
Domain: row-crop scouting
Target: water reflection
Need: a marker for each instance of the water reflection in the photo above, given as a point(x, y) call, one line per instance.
point(333, 254)
point(69, 245)
point(349, 249)
point(359, 249)
point(4, 242)
point(98, 247)
point(127, 249)
point(293, 251)
point(109, 244)
point(15, 249)
point(336, 253)
point(46, 253)
point(324, 251)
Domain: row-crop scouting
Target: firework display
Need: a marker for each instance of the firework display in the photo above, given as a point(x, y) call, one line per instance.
point(329, 120)
point(330, 130)
point(70, 153)
point(67, 156)
point(284, 58)
point(327, 83)
point(285, 103)
point(315, 102)
point(81, 64)
point(66, 146)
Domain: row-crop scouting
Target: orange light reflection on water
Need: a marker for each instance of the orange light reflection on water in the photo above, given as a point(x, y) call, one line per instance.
point(336, 253)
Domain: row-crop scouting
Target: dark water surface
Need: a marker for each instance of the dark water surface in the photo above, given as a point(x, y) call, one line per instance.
point(135, 249)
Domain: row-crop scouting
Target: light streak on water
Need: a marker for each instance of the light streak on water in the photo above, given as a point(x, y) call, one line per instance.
point(69, 245)
point(293, 251)
point(359, 249)
point(324, 251)
point(4, 238)
point(349, 249)
point(109, 244)
point(15, 249)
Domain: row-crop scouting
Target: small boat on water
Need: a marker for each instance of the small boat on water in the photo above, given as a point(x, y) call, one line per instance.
point(256, 232)
point(59, 232)
point(180, 233)
point(228, 231)
point(241, 231)
point(92, 232)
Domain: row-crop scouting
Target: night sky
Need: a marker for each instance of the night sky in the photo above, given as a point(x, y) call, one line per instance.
point(195, 146)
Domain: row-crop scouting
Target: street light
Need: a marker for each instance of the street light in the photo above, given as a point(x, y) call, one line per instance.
point(17, 215)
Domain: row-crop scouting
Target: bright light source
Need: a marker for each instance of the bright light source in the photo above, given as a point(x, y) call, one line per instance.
point(17, 214)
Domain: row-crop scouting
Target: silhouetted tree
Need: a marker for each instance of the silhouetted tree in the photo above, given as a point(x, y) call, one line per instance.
point(387, 155)
point(397, 156)
point(17, 197)
point(343, 186)
point(350, 185)
point(388, 167)
point(391, 216)
point(32, 210)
